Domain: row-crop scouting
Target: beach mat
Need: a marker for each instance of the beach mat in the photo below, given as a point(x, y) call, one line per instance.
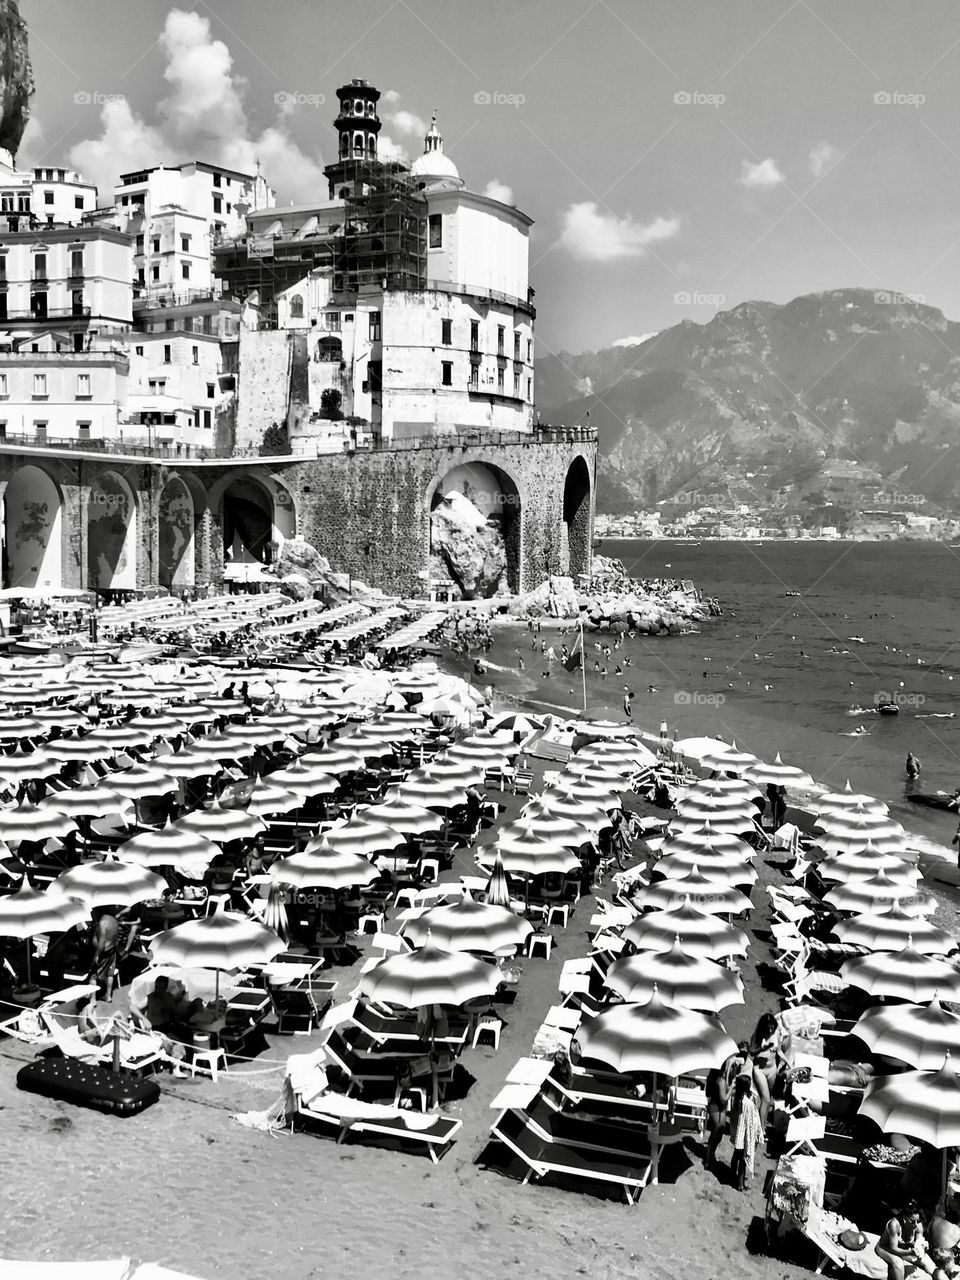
point(86, 1085)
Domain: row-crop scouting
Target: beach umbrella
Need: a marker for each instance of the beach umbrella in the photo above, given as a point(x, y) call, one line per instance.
point(192, 763)
point(29, 911)
point(843, 867)
point(86, 802)
point(891, 929)
point(29, 822)
point(565, 832)
point(335, 760)
point(22, 727)
point(142, 780)
point(105, 883)
point(511, 722)
point(538, 858)
point(840, 802)
point(214, 822)
point(924, 1105)
point(859, 896)
point(716, 824)
point(317, 717)
point(410, 818)
point(111, 740)
point(158, 724)
point(588, 812)
point(692, 810)
point(282, 723)
point(920, 1035)
point(723, 867)
point(701, 933)
point(360, 838)
point(468, 925)
point(323, 867)
point(306, 777)
point(168, 846)
point(268, 797)
point(778, 773)
point(906, 974)
point(23, 766)
point(729, 759)
point(678, 977)
point(655, 1037)
point(707, 895)
point(497, 892)
point(895, 844)
point(430, 975)
point(69, 750)
point(855, 823)
point(221, 941)
point(712, 843)
point(433, 790)
point(723, 789)
point(253, 734)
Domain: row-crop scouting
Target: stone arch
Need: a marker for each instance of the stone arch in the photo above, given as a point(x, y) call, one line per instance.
point(32, 530)
point(249, 532)
point(468, 538)
point(112, 534)
point(575, 552)
point(178, 520)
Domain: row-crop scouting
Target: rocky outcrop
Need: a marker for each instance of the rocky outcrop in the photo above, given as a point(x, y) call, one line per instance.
point(467, 547)
point(16, 76)
point(303, 573)
point(555, 598)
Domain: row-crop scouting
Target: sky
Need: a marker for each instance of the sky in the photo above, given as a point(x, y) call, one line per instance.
point(678, 157)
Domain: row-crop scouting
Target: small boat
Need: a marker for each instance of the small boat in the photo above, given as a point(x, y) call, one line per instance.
point(935, 799)
point(856, 639)
point(792, 593)
point(888, 709)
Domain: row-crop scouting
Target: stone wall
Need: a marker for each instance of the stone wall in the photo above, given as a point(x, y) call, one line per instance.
point(263, 387)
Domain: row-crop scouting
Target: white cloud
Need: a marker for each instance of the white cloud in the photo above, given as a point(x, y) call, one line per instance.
point(594, 236)
point(31, 150)
point(762, 174)
point(406, 122)
point(388, 149)
point(498, 190)
point(822, 157)
point(202, 118)
point(635, 340)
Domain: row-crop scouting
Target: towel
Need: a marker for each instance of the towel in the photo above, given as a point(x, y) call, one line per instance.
point(747, 1131)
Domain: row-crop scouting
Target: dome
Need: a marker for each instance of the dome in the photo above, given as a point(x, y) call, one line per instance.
point(434, 163)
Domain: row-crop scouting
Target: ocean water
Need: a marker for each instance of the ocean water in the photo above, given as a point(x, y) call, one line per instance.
point(780, 672)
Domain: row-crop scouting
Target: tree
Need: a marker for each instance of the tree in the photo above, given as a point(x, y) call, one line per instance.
point(274, 440)
point(330, 402)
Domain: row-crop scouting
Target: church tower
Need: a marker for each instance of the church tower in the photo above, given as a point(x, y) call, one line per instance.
point(357, 125)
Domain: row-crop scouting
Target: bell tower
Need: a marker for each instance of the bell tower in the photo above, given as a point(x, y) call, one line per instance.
point(357, 125)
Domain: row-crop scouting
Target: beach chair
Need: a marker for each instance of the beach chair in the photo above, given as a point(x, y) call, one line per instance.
point(430, 1132)
point(141, 1051)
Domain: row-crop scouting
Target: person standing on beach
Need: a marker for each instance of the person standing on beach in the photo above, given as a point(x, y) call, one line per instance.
point(628, 697)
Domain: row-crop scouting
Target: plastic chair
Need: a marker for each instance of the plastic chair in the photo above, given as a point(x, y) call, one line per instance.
point(215, 903)
point(428, 870)
point(377, 919)
point(559, 910)
point(209, 1062)
point(542, 940)
point(488, 1024)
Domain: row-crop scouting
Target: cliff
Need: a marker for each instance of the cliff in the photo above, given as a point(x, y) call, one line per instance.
point(16, 76)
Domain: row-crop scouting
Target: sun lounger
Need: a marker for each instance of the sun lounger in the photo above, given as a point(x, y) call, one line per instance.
point(141, 1051)
point(384, 1026)
point(430, 1131)
point(544, 1157)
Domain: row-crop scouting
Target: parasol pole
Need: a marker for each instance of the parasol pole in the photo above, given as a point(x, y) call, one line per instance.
point(583, 668)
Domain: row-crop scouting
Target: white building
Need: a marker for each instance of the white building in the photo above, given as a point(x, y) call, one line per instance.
point(45, 195)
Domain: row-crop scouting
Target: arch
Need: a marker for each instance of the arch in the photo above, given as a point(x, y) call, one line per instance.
point(32, 530)
point(111, 534)
point(248, 522)
point(177, 518)
point(575, 551)
point(296, 307)
point(492, 520)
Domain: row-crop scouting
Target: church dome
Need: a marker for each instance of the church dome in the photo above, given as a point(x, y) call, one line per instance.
point(434, 163)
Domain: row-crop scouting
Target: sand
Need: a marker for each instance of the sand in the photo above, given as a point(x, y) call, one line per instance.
point(186, 1186)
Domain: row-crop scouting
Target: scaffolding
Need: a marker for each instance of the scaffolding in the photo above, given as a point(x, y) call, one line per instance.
point(384, 241)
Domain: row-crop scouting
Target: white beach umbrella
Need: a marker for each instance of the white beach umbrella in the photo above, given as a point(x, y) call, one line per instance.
point(102, 883)
point(701, 933)
point(891, 928)
point(678, 976)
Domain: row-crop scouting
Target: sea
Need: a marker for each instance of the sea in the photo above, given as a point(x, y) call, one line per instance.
point(811, 637)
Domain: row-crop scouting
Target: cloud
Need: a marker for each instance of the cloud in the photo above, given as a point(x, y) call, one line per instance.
point(398, 120)
point(406, 122)
point(388, 149)
point(498, 190)
point(32, 144)
point(593, 236)
point(203, 117)
point(635, 340)
point(762, 174)
point(822, 157)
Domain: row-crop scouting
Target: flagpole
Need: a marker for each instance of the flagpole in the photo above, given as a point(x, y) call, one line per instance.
point(583, 667)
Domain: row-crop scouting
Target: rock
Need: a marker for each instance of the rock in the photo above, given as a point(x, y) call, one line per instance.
point(16, 76)
point(303, 572)
point(300, 557)
point(469, 547)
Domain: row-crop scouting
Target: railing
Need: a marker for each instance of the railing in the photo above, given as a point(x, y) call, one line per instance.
point(151, 300)
point(51, 313)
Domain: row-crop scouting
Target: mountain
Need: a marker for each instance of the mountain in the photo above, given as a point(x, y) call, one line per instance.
point(851, 395)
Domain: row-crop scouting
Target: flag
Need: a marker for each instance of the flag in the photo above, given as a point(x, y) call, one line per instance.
point(574, 660)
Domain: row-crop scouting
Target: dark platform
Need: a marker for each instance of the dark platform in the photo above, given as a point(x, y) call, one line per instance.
point(85, 1085)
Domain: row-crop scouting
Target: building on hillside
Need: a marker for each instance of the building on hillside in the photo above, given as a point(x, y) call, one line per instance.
point(43, 196)
point(396, 309)
point(51, 393)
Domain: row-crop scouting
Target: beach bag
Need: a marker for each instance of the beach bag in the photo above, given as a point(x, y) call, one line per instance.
point(852, 1240)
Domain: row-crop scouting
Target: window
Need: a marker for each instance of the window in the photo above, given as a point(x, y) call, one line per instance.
point(3, 430)
point(155, 274)
point(474, 383)
point(167, 351)
point(138, 350)
point(39, 384)
point(184, 270)
point(217, 180)
point(206, 419)
point(529, 351)
point(474, 335)
point(211, 390)
point(446, 332)
point(156, 244)
point(83, 386)
point(76, 302)
point(529, 388)
point(157, 386)
point(78, 202)
point(3, 266)
point(3, 385)
point(38, 305)
point(6, 202)
point(41, 429)
point(83, 430)
point(331, 321)
point(446, 373)
point(296, 307)
point(141, 277)
point(217, 204)
point(195, 352)
point(78, 342)
point(374, 326)
point(140, 244)
point(3, 306)
point(500, 380)
point(185, 244)
point(435, 225)
point(516, 346)
point(501, 333)
point(48, 197)
point(169, 326)
point(516, 385)
point(39, 266)
point(23, 204)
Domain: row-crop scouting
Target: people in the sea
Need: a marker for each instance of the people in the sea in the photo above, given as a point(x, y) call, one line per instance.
point(913, 765)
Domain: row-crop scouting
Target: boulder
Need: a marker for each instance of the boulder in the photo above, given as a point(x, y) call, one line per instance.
point(302, 572)
point(468, 546)
point(16, 76)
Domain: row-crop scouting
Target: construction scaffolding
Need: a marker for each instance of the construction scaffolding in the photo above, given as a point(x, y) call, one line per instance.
point(384, 239)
